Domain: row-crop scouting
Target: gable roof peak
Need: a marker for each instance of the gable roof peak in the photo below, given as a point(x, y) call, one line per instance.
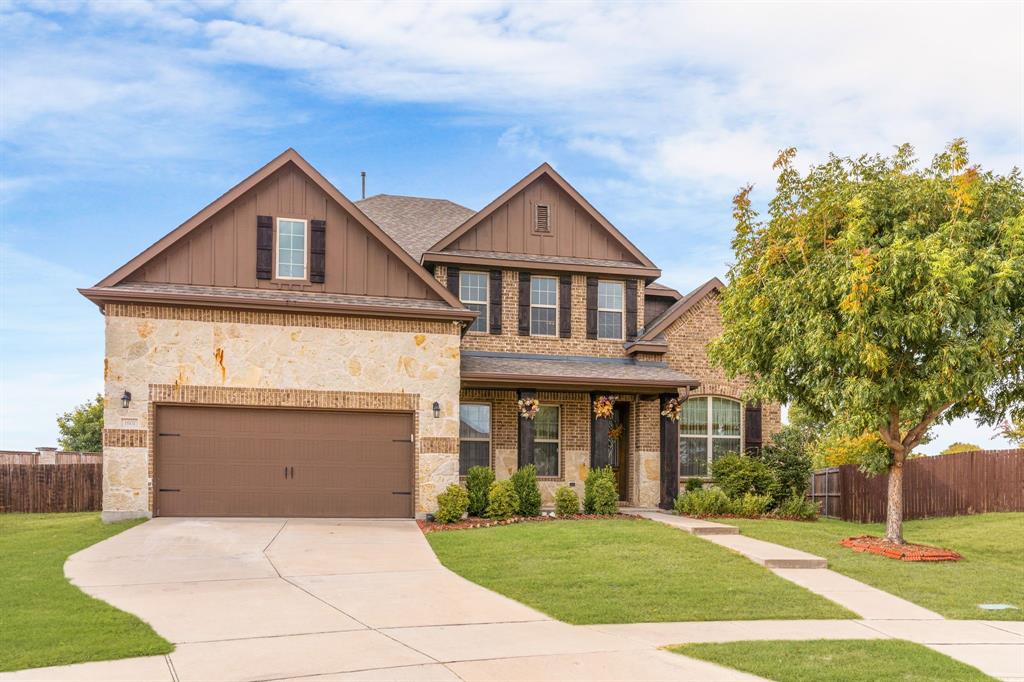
point(544, 169)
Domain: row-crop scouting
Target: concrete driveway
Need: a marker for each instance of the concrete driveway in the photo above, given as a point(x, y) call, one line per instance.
point(268, 599)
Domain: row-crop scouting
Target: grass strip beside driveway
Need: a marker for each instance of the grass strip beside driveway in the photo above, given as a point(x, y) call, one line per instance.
point(991, 572)
point(48, 621)
point(623, 571)
point(838, 660)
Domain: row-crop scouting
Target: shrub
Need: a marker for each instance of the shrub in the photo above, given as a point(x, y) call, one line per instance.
point(502, 501)
point(478, 483)
point(601, 494)
point(706, 502)
point(694, 484)
point(451, 504)
point(798, 507)
point(738, 475)
point(567, 502)
point(524, 481)
point(789, 459)
point(753, 505)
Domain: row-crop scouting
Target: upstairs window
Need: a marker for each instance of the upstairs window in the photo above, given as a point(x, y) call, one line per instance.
point(708, 428)
point(291, 248)
point(609, 310)
point(473, 294)
point(543, 306)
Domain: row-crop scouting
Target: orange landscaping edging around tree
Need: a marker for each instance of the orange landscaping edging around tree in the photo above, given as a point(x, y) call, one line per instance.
point(908, 552)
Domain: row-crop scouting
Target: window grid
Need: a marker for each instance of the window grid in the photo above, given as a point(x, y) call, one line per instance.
point(474, 442)
point(706, 434)
point(291, 248)
point(546, 437)
point(473, 292)
point(543, 306)
point(609, 310)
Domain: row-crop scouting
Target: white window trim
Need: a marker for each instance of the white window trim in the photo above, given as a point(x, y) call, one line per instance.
point(305, 250)
point(545, 305)
point(708, 436)
point(486, 301)
point(490, 433)
point(556, 441)
point(621, 311)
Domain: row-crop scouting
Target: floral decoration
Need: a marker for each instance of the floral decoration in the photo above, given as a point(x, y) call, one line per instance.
point(603, 406)
point(528, 408)
point(615, 432)
point(673, 408)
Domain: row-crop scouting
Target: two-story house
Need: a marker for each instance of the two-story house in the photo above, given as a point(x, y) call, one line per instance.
point(289, 352)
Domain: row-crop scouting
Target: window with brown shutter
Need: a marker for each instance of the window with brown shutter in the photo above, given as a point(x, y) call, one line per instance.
point(565, 306)
point(317, 250)
point(264, 247)
point(524, 304)
point(591, 307)
point(631, 305)
point(495, 302)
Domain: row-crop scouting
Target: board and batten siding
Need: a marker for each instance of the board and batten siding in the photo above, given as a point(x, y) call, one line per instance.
point(574, 233)
point(222, 252)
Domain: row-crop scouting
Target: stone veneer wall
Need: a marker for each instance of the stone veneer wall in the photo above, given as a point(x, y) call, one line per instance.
point(509, 341)
point(688, 338)
point(644, 458)
point(236, 357)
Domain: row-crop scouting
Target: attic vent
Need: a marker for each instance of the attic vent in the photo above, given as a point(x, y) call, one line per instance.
point(542, 218)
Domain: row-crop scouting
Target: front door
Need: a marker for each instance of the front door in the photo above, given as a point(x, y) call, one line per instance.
point(618, 448)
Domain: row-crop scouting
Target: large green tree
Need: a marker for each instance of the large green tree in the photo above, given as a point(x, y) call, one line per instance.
point(882, 296)
point(81, 429)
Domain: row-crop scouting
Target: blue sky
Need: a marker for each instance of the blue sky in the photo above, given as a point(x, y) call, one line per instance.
point(119, 120)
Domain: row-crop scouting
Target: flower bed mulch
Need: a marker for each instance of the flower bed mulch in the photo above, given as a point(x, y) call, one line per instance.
point(471, 523)
point(908, 552)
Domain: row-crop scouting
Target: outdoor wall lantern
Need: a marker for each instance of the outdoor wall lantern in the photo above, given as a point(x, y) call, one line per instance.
point(126, 400)
point(437, 410)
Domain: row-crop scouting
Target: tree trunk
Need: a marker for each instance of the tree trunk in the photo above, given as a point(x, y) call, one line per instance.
point(894, 511)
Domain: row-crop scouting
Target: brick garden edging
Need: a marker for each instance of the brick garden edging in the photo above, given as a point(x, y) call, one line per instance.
point(471, 523)
point(908, 552)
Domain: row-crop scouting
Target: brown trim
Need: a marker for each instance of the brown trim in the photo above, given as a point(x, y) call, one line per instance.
point(99, 296)
point(659, 292)
point(544, 169)
point(525, 264)
point(568, 383)
point(680, 307)
point(646, 347)
point(287, 156)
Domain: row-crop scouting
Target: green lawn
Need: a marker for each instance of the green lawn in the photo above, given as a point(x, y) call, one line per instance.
point(844, 660)
point(991, 572)
point(45, 619)
point(623, 571)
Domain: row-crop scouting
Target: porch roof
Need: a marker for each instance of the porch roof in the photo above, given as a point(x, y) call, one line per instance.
point(528, 371)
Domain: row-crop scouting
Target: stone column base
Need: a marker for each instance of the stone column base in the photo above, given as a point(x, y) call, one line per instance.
point(115, 516)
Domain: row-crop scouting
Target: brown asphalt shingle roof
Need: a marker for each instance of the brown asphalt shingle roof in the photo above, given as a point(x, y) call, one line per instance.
point(415, 223)
point(570, 370)
point(538, 258)
point(276, 295)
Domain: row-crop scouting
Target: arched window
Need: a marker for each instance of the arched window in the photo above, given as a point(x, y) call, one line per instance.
point(709, 427)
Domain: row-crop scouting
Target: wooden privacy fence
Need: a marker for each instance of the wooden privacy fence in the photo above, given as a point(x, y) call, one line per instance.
point(51, 487)
point(944, 485)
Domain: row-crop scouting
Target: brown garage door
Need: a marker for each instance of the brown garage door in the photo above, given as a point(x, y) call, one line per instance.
point(229, 461)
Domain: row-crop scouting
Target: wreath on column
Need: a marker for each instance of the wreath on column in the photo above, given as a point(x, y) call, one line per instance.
point(528, 408)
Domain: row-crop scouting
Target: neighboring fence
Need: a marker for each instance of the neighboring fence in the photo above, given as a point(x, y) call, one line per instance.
point(49, 456)
point(51, 487)
point(943, 485)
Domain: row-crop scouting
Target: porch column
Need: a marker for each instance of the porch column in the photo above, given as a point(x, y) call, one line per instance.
point(669, 456)
point(525, 432)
